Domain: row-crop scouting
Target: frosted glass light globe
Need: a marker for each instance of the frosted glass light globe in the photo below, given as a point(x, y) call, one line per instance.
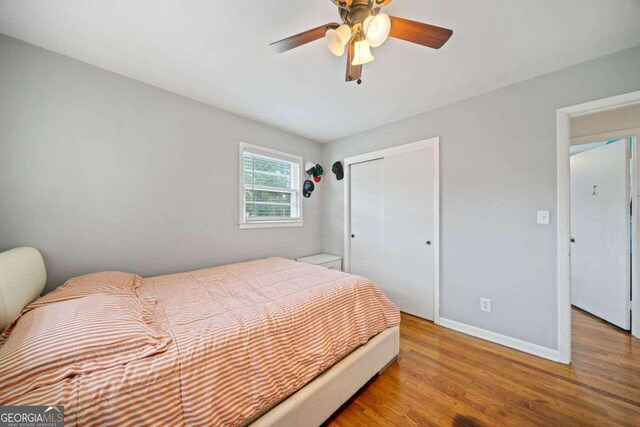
point(377, 29)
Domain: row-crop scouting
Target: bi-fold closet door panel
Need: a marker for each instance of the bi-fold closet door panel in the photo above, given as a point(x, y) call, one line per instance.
point(392, 227)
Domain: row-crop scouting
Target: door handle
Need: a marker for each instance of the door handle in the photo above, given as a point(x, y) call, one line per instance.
point(353, 235)
point(428, 242)
point(573, 240)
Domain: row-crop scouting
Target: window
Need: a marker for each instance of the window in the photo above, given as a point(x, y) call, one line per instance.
point(269, 188)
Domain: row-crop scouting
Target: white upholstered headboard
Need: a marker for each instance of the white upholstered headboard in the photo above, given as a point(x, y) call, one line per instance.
point(22, 279)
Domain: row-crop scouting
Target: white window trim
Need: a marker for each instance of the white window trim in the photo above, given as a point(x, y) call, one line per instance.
point(243, 224)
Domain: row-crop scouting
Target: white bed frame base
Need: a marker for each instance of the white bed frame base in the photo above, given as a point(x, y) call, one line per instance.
point(317, 401)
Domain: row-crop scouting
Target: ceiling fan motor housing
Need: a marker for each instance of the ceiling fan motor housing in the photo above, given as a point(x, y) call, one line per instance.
point(357, 12)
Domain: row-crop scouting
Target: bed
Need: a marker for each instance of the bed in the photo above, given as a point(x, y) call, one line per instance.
point(267, 342)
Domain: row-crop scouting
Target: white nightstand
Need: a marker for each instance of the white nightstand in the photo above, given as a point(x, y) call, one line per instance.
point(330, 261)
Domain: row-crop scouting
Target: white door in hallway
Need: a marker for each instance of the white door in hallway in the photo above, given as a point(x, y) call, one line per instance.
point(393, 227)
point(601, 232)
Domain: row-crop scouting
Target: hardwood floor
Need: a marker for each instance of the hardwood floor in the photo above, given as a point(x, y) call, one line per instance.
point(444, 377)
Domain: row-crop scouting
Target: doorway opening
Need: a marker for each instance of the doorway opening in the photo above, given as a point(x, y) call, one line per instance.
point(601, 229)
point(597, 207)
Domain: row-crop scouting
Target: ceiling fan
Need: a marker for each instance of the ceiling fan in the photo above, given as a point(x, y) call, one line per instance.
point(365, 26)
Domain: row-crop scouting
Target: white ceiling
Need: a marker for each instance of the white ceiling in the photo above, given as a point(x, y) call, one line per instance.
point(217, 52)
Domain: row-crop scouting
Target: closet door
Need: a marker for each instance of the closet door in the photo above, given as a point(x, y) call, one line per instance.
point(393, 238)
point(409, 231)
point(367, 220)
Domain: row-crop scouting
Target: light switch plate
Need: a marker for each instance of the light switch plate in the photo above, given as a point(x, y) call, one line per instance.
point(543, 217)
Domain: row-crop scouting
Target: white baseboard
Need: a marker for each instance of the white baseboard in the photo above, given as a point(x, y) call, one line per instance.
point(504, 340)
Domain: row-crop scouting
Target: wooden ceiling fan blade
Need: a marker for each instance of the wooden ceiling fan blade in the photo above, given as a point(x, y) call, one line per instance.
point(354, 72)
point(420, 33)
point(302, 38)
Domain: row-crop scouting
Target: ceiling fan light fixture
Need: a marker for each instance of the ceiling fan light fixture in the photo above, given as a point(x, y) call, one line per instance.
point(334, 43)
point(338, 38)
point(377, 29)
point(344, 31)
point(362, 53)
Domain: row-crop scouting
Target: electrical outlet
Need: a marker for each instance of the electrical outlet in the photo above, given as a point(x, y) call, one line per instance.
point(485, 305)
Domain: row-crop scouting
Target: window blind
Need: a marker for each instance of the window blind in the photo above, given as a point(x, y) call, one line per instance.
point(271, 187)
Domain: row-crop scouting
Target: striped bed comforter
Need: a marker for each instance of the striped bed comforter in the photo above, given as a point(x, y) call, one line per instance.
point(243, 337)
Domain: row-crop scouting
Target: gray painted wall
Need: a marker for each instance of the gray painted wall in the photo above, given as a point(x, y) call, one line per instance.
point(498, 167)
point(102, 172)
